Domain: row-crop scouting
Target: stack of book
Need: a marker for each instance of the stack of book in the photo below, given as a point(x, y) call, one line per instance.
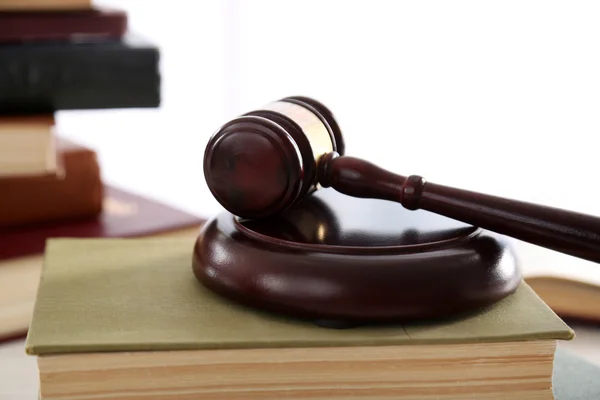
point(60, 55)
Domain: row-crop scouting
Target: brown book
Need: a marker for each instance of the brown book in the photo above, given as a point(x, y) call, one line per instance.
point(124, 319)
point(74, 193)
point(62, 25)
point(125, 214)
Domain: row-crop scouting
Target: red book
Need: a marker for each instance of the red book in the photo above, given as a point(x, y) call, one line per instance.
point(94, 24)
point(21, 250)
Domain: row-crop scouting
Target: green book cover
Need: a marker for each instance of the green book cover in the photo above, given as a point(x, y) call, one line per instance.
point(140, 294)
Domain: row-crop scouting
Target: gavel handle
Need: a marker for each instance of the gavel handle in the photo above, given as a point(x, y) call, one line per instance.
point(564, 231)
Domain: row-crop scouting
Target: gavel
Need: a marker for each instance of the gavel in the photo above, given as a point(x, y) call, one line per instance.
point(261, 163)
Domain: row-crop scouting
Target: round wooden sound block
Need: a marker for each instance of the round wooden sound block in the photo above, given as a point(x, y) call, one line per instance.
point(338, 259)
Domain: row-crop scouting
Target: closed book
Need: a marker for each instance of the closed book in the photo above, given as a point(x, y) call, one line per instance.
point(128, 319)
point(79, 25)
point(76, 192)
point(124, 214)
point(54, 76)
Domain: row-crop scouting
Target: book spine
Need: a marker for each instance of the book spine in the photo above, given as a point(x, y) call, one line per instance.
point(36, 79)
point(37, 26)
point(78, 193)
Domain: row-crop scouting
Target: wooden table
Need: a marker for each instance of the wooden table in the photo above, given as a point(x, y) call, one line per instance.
point(18, 372)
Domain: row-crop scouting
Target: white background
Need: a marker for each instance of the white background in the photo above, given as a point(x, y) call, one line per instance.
point(499, 96)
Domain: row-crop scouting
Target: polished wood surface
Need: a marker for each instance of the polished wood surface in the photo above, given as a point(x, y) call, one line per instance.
point(248, 150)
point(565, 231)
point(261, 163)
point(333, 258)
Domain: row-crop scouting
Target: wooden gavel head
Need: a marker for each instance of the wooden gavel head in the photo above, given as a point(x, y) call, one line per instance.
point(262, 162)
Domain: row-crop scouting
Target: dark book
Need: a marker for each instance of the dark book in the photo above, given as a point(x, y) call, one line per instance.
point(46, 77)
point(124, 215)
point(96, 24)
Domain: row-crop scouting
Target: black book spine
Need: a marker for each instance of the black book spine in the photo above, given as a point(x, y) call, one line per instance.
point(53, 77)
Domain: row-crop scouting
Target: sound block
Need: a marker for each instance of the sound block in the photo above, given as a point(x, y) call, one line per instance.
point(342, 261)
